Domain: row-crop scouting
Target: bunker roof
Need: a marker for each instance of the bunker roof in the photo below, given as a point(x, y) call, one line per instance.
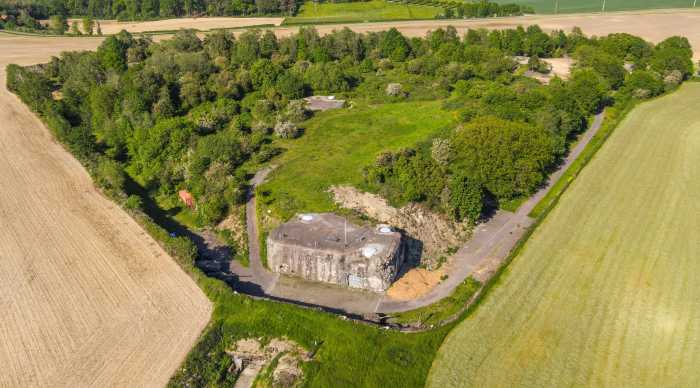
point(329, 231)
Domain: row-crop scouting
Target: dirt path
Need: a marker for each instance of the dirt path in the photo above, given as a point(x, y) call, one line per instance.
point(87, 298)
point(259, 275)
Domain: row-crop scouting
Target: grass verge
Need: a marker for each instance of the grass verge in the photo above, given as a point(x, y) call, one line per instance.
point(438, 312)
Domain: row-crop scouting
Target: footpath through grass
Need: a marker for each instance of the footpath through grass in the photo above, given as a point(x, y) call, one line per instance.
point(364, 11)
point(605, 292)
point(337, 145)
point(573, 6)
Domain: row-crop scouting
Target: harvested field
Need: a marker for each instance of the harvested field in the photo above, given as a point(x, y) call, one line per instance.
point(87, 298)
point(605, 293)
point(202, 24)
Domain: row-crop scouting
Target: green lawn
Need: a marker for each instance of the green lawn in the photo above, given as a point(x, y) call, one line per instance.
point(605, 292)
point(375, 10)
point(347, 354)
point(572, 6)
point(338, 144)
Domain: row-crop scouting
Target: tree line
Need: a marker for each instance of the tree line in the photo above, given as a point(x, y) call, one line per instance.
point(190, 113)
point(26, 15)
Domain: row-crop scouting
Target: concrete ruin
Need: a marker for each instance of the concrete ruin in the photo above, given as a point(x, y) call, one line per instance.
point(321, 103)
point(327, 248)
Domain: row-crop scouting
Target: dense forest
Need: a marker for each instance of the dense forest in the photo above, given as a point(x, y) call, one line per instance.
point(191, 114)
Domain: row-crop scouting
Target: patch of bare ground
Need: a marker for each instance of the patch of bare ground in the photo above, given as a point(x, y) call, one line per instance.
point(275, 364)
point(235, 223)
point(87, 298)
point(415, 283)
point(201, 24)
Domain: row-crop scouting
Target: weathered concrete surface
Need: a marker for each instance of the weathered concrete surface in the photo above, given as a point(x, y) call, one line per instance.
point(327, 248)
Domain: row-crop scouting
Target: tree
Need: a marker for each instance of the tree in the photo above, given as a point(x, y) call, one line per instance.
point(588, 89)
point(290, 86)
point(58, 24)
point(510, 158)
point(88, 25)
point(466, 198)
point(74, 28)
point(112, 54)
point(393, 45)
point(672, 54)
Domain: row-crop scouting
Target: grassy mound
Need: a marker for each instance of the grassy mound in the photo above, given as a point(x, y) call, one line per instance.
point(338, 144)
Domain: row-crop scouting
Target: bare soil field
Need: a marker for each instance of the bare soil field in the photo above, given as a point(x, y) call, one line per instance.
point(202, 24)
point(87, 298)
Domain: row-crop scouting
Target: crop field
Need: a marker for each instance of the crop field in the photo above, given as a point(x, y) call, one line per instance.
point(87, 298)
point(570, 6)
point(605, 292)
point(202, 24)
point(375, 10)
point(337, 145)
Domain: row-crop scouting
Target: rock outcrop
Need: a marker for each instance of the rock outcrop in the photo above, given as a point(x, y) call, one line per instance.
point(433, 234)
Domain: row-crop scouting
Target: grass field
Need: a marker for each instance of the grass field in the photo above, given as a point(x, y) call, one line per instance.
point(605, 292)
point(337, 145)
point(571, 6)
point(375, 10)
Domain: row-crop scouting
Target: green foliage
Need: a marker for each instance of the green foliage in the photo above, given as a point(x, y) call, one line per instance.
point(32, 86)
point(672, 54)
point(112, 54)
point(155, 152)
point(508, 158)
point(394, 46)
point(466, 198)
point(109, 174)
point(58, 24)
point(607, 65)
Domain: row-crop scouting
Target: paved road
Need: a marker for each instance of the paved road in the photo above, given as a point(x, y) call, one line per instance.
point(490, 244)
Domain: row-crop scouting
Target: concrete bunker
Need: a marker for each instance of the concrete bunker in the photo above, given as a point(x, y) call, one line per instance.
point(327, 248)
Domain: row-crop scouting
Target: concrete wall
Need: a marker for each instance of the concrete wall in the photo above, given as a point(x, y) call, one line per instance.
point(337, 267)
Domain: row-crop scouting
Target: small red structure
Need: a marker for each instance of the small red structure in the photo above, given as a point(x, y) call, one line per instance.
point(187, 198)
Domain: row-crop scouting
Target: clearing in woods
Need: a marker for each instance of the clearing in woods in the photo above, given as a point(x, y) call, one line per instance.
point(86, 296)
point(605, 292)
